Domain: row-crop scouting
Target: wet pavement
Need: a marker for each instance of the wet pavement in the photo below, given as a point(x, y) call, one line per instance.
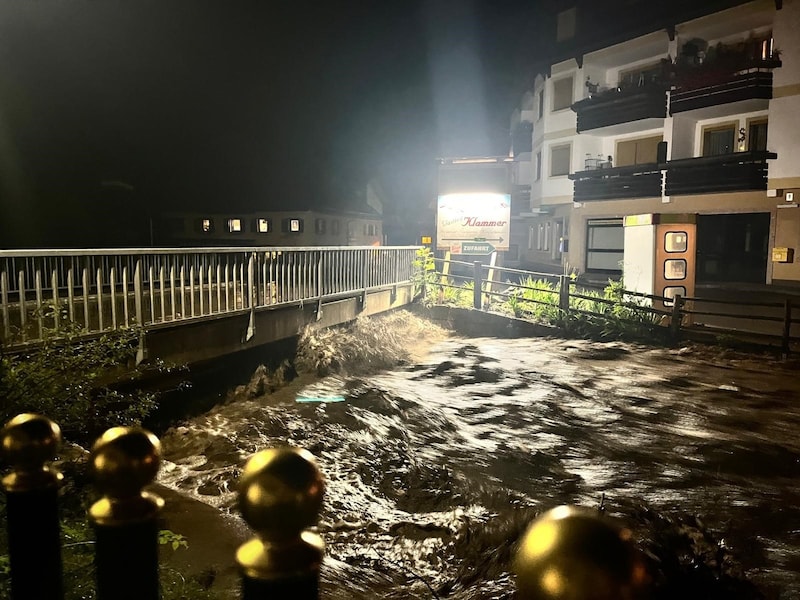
point(435, 465)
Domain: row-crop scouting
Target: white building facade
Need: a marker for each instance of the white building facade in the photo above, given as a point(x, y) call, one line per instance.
point(698, 118)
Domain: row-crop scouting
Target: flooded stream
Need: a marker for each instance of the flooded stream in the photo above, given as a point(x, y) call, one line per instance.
point(435, 461)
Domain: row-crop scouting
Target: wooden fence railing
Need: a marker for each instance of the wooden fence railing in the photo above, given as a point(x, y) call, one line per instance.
point(770, 323)
point(566, 553)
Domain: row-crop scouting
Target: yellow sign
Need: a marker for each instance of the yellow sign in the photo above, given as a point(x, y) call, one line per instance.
point(782, 255)
point(426, 239)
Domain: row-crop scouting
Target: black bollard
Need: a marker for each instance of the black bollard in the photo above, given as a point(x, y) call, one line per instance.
point(280, 495)
point(125, 519)
point(571, 553)
point(28, 441)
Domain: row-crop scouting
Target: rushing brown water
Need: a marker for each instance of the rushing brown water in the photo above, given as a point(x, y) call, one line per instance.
point(434, 465)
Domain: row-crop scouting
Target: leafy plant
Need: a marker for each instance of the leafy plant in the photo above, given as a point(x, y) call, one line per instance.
point(424, 276)
point(77, 380)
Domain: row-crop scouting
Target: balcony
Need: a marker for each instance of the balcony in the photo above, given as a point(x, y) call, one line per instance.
point(617, 183)
point(624, 109)
point(738, 172)
point(738, 74)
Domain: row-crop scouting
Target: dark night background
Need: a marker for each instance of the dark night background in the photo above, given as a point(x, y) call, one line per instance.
point(243, 105)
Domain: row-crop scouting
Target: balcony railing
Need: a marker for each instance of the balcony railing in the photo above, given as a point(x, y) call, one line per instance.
point(737, 172)
point(621, 105)
point(713, 87)
point(637, 181)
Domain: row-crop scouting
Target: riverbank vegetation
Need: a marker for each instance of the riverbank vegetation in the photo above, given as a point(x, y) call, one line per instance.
point(602, 315)
point(86, 386)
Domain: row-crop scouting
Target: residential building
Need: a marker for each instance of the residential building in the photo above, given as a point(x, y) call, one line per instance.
point(311, 227)
point(686, 108)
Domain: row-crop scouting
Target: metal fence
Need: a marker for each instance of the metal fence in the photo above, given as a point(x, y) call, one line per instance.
point(772, 322)
point(44, 291)
point(566, 553)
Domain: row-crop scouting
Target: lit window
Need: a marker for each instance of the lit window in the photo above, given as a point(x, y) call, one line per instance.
point(672, 291)
point(675, 241)
point(234, 225)
point(206, 225)
point(292, 225)
point(263, 226)
point(675, 268)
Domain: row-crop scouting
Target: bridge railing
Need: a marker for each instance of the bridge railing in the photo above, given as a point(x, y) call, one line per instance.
point(566, 553)
point(41, 291)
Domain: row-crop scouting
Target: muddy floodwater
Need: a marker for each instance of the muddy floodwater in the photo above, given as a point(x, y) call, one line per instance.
point(435, 461)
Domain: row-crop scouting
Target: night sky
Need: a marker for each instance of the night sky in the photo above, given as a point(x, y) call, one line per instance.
point(245, 105)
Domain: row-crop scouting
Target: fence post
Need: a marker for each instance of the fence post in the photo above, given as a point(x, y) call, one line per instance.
point(123, 461)
point(787, 326)
point(563, 293)
point(570, 552)
point(675, 321)
point(28, 441)
point(138, 293)
point(476, 291)
point(280, 496)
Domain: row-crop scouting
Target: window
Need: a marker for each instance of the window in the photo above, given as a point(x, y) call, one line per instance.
point(565, 25)
point(675, 268)
point(559, 160)
point(320, 226)
point(234, 226)
point(670, 292)
point(604, 245)
point(538, 166)
point(335, 227)
point(675, 241)
point(173, 225)
point(293, 225)
point(641, 76)
point(638, 152)
point(541, 104)
point(206, 225)
point(719, 140)
point(263, 225)
point(531, 237)
point(757, 136)
point(562, 93)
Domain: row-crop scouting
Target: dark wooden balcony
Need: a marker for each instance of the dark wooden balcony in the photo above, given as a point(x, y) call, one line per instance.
point(738, 172)
point(706, 88)
point(621, 105)
point(637, 181)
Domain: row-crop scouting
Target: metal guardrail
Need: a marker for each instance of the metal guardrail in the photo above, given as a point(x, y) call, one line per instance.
point(106, 289)
point(770, 323)
point(566, 553)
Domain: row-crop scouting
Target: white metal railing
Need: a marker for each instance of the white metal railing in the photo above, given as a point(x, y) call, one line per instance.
point(41, 291)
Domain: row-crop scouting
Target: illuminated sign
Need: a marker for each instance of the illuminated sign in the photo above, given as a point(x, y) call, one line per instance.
point(474, 220)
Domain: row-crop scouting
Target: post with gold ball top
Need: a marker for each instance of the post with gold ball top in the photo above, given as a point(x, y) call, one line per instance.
point(570, 553)
point(280, 496)
point(125, 519)
point(28, 442)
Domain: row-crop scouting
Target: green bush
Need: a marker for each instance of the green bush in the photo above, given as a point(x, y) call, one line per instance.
point(77, 381)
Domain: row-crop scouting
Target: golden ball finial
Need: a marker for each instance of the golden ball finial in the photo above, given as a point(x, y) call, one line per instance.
point(280, 492)
point(29, 440)
point(124, 460)
point(573, 554)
